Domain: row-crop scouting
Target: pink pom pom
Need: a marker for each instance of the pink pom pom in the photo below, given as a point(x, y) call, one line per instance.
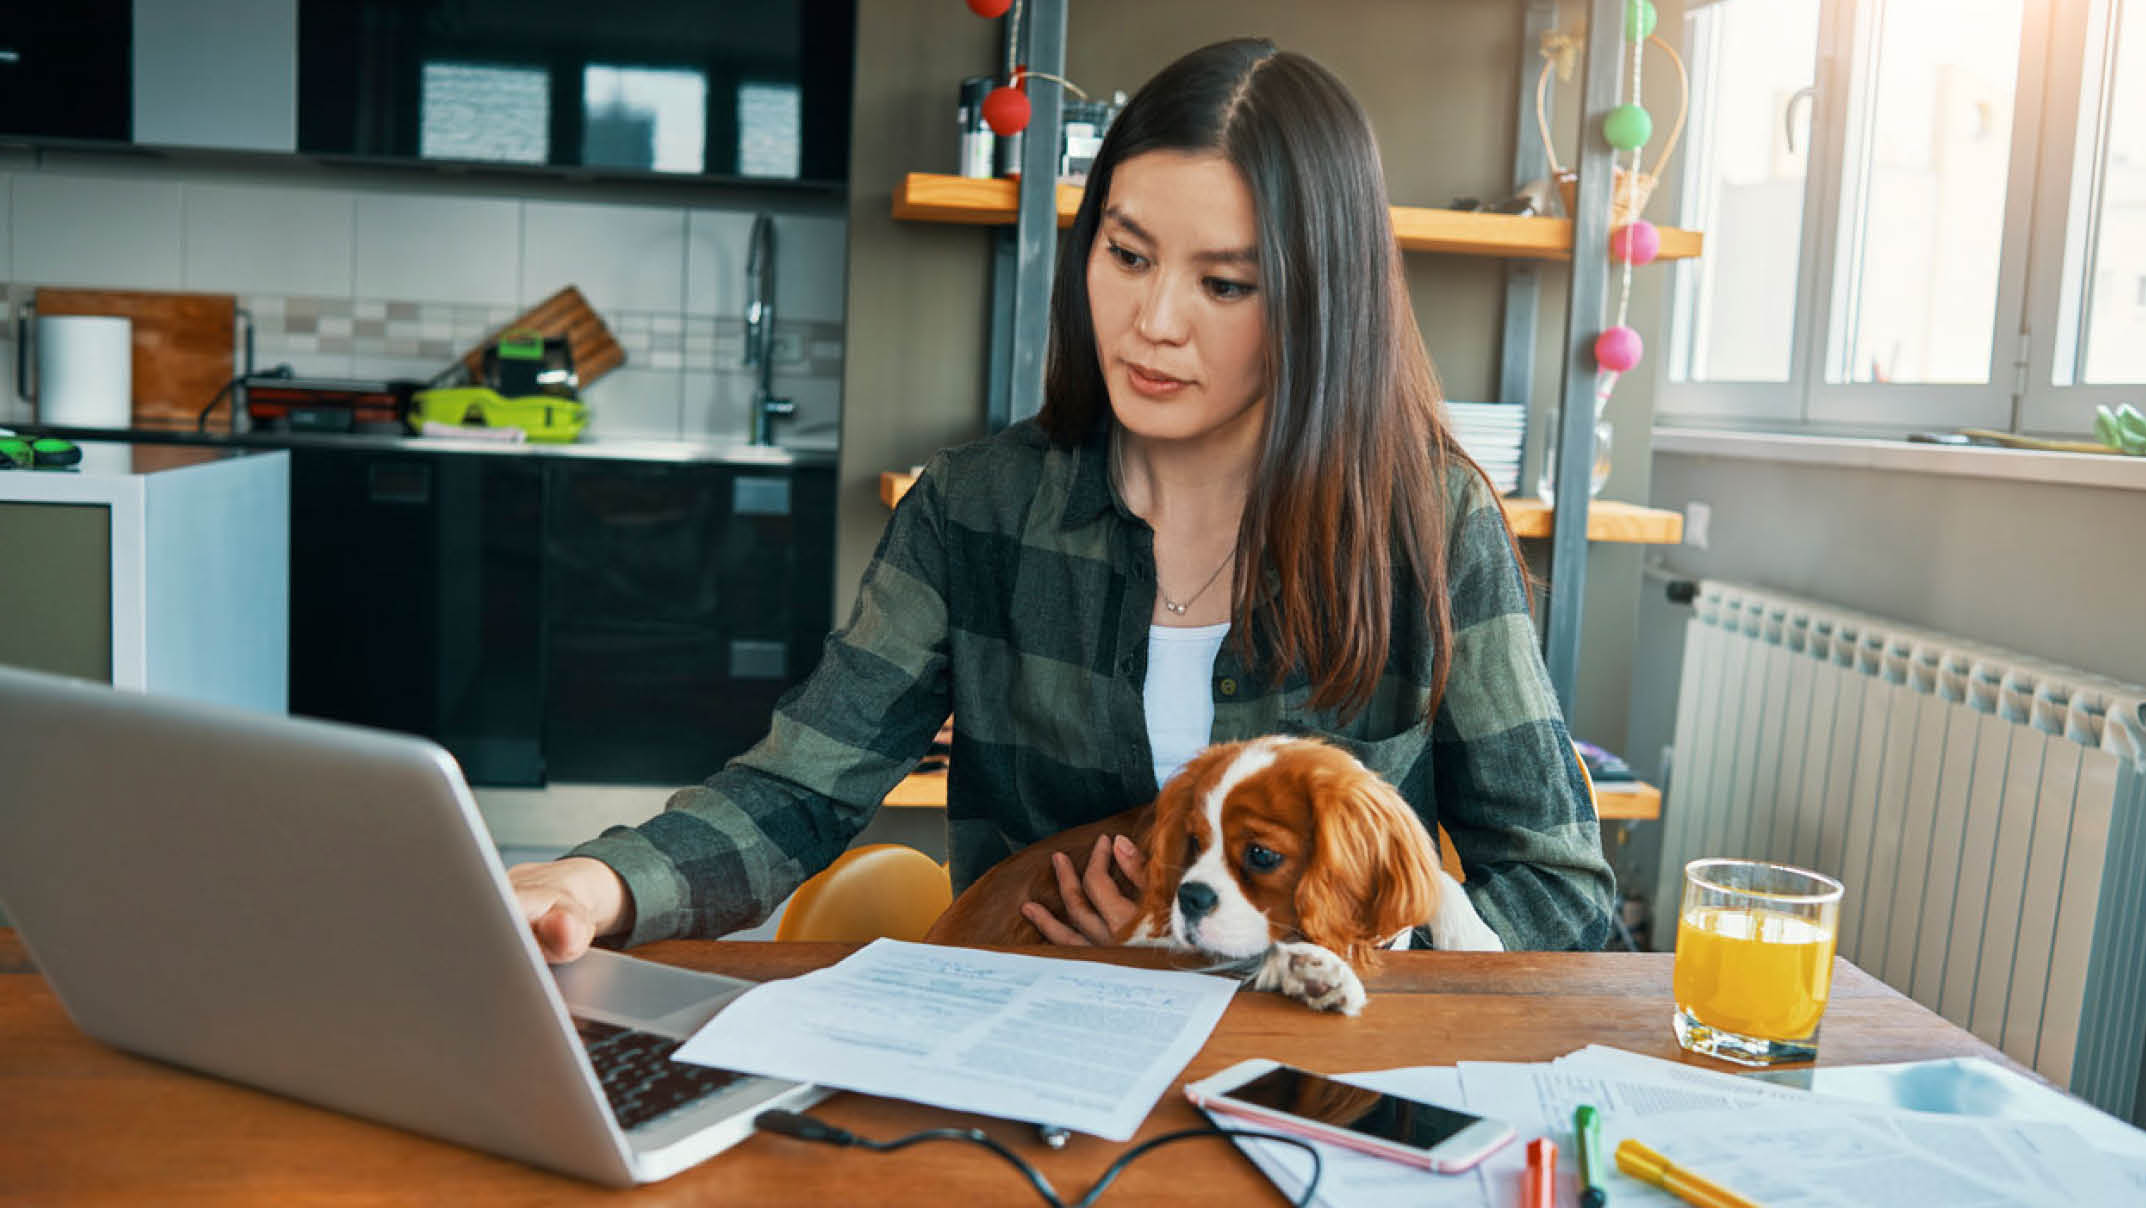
point(990, 8)
point(1006, 110)
point(1636, 242)
point(1618, 349)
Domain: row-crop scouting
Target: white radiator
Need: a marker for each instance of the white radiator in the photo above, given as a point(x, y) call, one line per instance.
point(1987, 813)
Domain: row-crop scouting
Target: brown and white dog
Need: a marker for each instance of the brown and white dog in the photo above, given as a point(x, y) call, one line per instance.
point(1281, 848)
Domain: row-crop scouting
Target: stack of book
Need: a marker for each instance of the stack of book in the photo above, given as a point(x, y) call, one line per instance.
point(1492, 433)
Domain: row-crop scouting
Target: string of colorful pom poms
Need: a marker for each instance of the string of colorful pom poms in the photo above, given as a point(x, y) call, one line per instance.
point(1006, 109)
point(1626, 128)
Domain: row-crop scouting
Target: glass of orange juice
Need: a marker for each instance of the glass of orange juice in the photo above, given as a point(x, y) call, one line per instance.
point(1754, 960)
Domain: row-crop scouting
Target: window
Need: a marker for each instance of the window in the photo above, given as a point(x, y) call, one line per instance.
point(1922, 200)
point(484, 111)
point(2101, 337)
point(650, 118)
point(769, 130)
point(1746, 164)
point(1890, 243)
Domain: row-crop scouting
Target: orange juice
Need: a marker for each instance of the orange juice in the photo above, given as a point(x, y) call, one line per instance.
point(1758, 972)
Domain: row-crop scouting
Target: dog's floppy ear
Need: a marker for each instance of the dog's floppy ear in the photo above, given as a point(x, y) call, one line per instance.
point(1175, 808)
point(1373, 867)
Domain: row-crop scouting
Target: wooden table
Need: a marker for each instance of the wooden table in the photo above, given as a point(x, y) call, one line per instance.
point(82, 1122)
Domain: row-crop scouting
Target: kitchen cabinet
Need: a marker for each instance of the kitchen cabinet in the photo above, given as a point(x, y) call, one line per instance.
point(206, 73)
point(416, 595)
point(683, 602)
point(66, 70)
point(216, 73)
point(750, 91)
point(557, 618)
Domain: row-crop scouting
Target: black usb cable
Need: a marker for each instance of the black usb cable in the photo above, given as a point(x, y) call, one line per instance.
point(806, 1128)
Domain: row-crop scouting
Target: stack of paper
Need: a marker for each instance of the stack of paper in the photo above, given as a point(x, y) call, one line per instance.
point(1492, 433)
point(1779, 1146)
point(1076, 1044)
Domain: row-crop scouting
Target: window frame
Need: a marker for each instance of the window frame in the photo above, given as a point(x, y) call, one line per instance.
point(2018, 394)
point(2043, 405)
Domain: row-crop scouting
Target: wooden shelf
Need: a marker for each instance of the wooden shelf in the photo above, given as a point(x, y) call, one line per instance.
point(930, 197)
point(1607, 519)
point(1628, 801)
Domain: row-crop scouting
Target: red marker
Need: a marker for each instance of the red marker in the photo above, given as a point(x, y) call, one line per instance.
point(1542, 1174)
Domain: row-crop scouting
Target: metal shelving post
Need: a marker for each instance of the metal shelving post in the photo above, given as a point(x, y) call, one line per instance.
point(1024, 256)
point(1587, 298)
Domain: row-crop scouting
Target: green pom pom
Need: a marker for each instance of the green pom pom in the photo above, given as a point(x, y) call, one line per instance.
point(1627, 127)
point(1638, 20)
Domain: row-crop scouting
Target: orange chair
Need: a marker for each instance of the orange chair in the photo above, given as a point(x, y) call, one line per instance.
point(881, 889)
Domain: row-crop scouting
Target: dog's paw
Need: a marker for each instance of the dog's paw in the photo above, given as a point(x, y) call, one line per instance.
point(1455, 926)
point(1312, 975)
point(1466, 934)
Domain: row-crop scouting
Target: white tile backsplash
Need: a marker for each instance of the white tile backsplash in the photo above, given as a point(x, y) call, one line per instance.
point(404, 276)
point(715, 261)
point(818, 422)
point(438, 249)
point(634, 402)
point(715, 406)
point(811, 258)
point(621, 257)
point(719, 406)
point(100, 231)
point(305, 364)
point(246, 239)
point(420, 369)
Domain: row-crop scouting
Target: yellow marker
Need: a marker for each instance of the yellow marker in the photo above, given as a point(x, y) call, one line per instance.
point(1650, 1167)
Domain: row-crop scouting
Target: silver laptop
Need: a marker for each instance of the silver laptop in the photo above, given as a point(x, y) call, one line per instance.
point(316, 910)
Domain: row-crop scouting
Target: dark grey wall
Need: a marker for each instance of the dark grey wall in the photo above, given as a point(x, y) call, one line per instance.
point(1441, 83)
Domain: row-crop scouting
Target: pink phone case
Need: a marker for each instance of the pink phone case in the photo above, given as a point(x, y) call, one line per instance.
point(1297, 1126)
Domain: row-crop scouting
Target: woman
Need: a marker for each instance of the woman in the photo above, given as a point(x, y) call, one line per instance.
point(1237, 394)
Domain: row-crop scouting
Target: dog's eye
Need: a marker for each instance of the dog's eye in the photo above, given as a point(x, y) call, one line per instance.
point(1262, 859)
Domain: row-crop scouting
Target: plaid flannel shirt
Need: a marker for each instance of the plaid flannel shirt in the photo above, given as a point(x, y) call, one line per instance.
point(1014, 588)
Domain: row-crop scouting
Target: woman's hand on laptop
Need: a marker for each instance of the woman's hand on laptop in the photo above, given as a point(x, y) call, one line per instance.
point(569, 903)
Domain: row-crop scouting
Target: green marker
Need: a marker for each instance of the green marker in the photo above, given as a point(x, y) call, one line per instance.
point(1587, 1124)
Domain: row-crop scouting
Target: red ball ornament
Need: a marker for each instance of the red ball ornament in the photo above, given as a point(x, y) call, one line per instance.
point(1006, 110)
point(990, 8)
point(1618, 349)
point(1636, 242)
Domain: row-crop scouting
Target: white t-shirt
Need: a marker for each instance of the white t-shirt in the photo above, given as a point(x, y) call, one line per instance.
point(1179, 693)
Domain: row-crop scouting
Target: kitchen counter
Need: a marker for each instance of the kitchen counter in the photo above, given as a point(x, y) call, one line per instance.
point(678, 451)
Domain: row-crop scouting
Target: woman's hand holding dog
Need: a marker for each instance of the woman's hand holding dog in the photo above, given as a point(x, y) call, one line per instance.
point(1097, 910)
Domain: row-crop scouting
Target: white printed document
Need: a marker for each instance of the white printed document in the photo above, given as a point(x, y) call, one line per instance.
point(1078, 1044)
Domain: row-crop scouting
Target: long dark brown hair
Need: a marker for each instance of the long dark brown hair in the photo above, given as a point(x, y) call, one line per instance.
point(1353, 470)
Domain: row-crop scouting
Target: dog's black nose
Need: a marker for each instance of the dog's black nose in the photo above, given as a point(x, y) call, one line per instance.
point(1195, 898)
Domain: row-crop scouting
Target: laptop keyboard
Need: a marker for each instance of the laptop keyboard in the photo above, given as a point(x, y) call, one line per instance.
point(640, 1080)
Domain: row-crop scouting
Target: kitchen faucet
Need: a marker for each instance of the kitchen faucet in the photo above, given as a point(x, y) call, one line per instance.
point(760, 330)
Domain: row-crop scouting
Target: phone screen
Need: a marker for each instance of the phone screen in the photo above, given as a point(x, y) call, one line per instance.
point(1316, 1097)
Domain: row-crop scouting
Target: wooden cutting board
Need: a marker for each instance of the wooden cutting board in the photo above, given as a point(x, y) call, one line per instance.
point(567, 314)
point(182, 346)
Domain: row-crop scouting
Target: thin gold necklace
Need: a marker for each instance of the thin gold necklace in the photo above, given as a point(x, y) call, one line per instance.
point(1176, 607)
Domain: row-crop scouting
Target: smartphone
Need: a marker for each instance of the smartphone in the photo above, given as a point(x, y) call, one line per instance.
point(1301, 1103)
